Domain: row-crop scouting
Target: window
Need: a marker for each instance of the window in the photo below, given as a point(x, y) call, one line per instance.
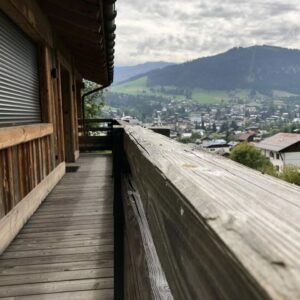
point(277, 168)
point(277, 156)
point(271, 154)
point(19, 76)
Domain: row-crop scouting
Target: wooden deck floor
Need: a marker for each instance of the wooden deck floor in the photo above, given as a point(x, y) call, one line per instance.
point(65, 251)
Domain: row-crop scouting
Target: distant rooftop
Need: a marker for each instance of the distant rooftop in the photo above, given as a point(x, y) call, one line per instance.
point(214, 143)
point(246, 135)
point(279, 141)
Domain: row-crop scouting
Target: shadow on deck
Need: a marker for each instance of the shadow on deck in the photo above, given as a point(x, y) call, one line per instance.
point(66, 247)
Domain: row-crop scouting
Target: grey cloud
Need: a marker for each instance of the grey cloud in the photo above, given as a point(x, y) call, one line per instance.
point(174, 30)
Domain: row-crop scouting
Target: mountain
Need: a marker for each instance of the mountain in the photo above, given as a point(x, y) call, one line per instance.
point(126, 72)
point(261, 68)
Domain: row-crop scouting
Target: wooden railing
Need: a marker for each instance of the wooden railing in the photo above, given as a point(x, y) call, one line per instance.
point(95, 134)
point(193, 225)
point(25, 160)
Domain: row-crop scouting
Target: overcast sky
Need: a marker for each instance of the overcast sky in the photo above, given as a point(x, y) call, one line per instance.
point(176, 31)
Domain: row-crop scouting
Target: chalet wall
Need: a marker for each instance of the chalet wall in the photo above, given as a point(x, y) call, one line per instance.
point(28, 16)
point(26, 160)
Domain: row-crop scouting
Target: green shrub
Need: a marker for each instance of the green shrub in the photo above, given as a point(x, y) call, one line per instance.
point(290, 174)
point(251, 157)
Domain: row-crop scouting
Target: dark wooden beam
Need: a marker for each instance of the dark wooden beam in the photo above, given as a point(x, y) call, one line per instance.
point(89, 10)
point(118, 155)
point(74, 19)
point(66, 29)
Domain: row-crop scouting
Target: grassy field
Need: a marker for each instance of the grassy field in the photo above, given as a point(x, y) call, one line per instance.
point(139, 87)
point(280, 94)
point(210, 97)
point(134, 87)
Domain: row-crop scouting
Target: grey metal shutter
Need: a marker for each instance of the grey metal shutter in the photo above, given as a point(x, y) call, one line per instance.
point(19, 76)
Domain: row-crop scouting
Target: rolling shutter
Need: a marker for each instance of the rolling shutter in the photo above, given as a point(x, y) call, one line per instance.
point(19, 76)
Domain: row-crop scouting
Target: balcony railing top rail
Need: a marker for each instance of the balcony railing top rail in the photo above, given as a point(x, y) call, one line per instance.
point(15, 135)
point(220, 230)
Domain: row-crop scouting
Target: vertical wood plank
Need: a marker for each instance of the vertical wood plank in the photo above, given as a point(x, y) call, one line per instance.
point(10, 178)
point(31, 166)
point(72, 115)
point(35, 162)
point(22, 171)
point(39, 158)
point(75, 117)
point(46, 156)
point(46, 91)
point(60, 111)
point(47, 95)
point(43, 158)
point(25, 168)
point(49, 153)
point(15, 174)
point(2, 192)
point(6, 196)
point(57, 137)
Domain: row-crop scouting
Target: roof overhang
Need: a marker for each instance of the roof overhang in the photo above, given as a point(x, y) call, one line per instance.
point(87, 28)
point(279, 142)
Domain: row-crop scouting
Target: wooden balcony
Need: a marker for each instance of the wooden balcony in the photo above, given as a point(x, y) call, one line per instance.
point(65, 251)
point(172, 223)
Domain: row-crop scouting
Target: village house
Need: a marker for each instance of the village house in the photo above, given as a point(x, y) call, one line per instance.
point(246, 136)
point(282, 149)
point(218, 146)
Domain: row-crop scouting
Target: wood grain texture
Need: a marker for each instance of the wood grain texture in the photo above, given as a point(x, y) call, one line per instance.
point(65, 251)
point(11, 136)
point(221, 230)
point(23, 167)
point(144, 276)
point(105, 294)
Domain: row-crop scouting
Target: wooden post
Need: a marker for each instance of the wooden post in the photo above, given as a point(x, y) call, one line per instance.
point(118, 213)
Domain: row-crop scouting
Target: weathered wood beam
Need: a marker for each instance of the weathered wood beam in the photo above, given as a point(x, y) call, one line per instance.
point(11, 136)
point(221, 230)
point(144, 276)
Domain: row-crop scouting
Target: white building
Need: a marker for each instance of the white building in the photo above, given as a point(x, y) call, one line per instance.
point(282, 149)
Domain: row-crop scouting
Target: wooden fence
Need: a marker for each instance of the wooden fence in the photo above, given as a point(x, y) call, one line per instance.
point(199, 226)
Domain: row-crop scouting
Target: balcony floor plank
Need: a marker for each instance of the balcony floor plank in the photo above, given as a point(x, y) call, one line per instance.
point(65, 251)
